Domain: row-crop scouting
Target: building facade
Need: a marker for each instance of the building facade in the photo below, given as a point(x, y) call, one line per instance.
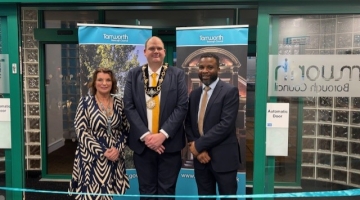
point(40, 38)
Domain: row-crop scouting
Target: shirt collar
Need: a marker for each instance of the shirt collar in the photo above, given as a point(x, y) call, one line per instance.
point(151, 71)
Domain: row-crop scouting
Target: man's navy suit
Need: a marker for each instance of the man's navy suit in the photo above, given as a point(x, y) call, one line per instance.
point(219, 137)
point(173, 109)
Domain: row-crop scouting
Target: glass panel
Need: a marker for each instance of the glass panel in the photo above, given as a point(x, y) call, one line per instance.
point(324, 130)
point(34, 137)
point(355, 178)
point(325, 115)
point(355, 164)
point(69, 19)
point(356, 102)
point(342, 116)
point(340, 147)
point(62, 95)
point(340, 176)
point(174, 18)
point(309, 115)
point(341, 132)
point(323, 159)
point(324, 145)
point(286, 166)
point(308, 172)
point(33, 96)
point(355, 133)
point(326, 102)
point(355, 116)
point(308, 143)
point(342, 102)
point(330, 119)
point(323, 173)
point(248, 16)
point(250, 114)
point(0, 37)
point(308, 157)
point(340, 161)
point(354, 148)
point(309, 102)
point(309, 129)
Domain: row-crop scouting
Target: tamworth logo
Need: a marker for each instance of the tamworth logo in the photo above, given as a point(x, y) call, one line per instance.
point(212, 39)
point(116, 38)
point(315, 79)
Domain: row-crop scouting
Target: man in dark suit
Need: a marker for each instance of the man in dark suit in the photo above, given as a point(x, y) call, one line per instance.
point(156, 103)
point(211, 132)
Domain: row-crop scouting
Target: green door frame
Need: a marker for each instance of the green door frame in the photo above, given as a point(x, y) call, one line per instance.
point(263, 182)
point(14, 157)
point(43, 124)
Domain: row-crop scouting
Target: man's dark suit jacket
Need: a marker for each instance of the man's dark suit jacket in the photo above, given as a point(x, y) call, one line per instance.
point(173, 109)
point(219, 137)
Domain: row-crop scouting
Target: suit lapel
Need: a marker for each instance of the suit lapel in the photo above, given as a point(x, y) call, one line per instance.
point(141, 92)
point(165, 90)
point(196, 102)
point(215, 93)
point(197, 96)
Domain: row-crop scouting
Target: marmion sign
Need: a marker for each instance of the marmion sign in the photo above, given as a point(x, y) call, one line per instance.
point(314, 75)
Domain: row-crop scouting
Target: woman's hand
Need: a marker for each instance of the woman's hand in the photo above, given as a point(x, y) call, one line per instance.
point(112, 154)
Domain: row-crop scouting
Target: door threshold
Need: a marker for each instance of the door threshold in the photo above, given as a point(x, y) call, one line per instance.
point(54, 180)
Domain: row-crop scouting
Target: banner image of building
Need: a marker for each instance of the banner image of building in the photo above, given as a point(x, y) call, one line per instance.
point(230, 44)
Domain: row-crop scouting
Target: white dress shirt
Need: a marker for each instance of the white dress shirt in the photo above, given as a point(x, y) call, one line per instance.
point(149, 111)
point(209, 93)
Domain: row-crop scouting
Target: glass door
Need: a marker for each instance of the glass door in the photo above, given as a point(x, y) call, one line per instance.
point(59, 89)
point(62, 93)
point(319, 56)
point(313, 47)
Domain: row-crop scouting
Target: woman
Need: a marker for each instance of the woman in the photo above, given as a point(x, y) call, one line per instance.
point(101, 128)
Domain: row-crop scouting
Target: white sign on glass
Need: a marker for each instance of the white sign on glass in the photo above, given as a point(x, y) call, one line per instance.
point(277, 129)
point(277, 115)
point(5, 133)
point(313, 75)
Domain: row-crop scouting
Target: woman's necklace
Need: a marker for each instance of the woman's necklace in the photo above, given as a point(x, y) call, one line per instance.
point(107, 111)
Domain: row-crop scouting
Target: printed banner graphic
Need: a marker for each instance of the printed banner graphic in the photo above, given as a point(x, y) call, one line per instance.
point(313, 75)
point(119, 48)
point(230, 43)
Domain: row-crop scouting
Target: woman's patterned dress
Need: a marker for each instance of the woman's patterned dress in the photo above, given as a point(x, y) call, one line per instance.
point(92, 171)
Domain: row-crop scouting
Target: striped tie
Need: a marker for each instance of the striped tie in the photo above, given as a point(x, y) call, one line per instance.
point(156, 109)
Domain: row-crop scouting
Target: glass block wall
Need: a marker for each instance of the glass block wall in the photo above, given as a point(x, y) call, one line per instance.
point(331, 145)
point(331, 125)
point(30, 56)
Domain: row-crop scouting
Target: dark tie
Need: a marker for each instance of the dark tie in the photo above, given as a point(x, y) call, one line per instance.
point(203, 105)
